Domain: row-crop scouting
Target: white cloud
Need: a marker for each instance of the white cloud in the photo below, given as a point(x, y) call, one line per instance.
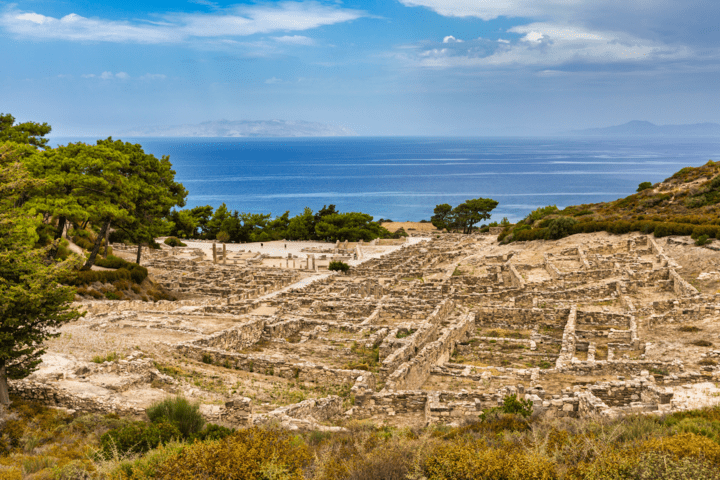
point(488, 10)
point(546, 44)
point(502, 40)
point(205, 2)
point(153, 76)
point(294, 40)
point(108, 76)
point(273, 81)
point(232, 22)
point(533, 37)
point(451, 39)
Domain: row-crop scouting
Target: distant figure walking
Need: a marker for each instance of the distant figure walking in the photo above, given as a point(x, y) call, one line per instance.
point(286, 246)
point(261, 245)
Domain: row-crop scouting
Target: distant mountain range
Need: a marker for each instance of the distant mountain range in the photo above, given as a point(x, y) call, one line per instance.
point(638, 128)
point(244, 128)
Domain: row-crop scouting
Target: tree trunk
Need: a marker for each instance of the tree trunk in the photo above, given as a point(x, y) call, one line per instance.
point(84, 224)
point(91, 261)
point(107, 241)
point(139, 253)
point(58, 235)
point(61, 226)
point(4, 395)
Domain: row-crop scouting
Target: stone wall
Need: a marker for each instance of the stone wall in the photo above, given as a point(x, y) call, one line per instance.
point(567, 350)
point(235, 338)
point(680, 286)
point(53, 395)
point(413, 373)
point(268, 365)
point(427, 332)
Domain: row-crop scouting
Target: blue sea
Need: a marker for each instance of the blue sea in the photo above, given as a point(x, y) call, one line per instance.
point(404, 178)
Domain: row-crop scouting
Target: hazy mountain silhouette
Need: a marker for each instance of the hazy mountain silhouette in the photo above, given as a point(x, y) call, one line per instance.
point(243, 128)
point(638, 128)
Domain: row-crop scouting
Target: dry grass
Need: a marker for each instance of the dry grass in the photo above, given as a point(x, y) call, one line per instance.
point(409, 226)
point(44, 443)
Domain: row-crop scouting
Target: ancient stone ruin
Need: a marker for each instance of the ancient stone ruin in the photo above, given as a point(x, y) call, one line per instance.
point(429, 330)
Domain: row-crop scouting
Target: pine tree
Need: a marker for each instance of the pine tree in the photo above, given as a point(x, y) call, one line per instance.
point(32, 302)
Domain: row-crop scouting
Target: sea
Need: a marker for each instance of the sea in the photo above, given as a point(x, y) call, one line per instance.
point(403, 178)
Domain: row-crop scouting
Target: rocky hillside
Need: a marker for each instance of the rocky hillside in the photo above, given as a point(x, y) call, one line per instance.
point(687, 203)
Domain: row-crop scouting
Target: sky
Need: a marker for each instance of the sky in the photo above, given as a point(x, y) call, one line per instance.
point(385, 67)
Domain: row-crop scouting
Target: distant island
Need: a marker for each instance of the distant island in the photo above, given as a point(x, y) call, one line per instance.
point(638, 128)
point(243, 128)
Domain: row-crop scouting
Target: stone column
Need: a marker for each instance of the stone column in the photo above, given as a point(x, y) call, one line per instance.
point(214, 252)
point(224, 255)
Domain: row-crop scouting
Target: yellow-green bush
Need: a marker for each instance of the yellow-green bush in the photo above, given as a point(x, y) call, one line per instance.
point(474, 460)
point(245, 455)
point(686, 445)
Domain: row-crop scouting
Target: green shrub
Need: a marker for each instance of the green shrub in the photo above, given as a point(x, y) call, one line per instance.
point(399, 233)
point(224, 237)
point(539, 213)
point(338, 267)
point(644, 186)
point(702, 240)
point(138, 437)
point(63, 250)
point(125, 271)
point(83, 243)
point(211, 432)
point(175, 242)
point(178, 411)
point(113, 295)
point(711, 231)
point(528, 235)
point(696, 202)
point(512, 405)
point(561, 227)
point(111, 262)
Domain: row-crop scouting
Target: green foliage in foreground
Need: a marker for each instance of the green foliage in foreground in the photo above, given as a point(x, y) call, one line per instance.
point(48, 443)
point(32, 303)
point(178, 411)
point(28, 133)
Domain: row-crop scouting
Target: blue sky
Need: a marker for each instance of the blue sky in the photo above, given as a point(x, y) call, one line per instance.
point(393, 67)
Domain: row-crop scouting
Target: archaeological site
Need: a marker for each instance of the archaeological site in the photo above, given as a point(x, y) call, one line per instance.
point(426, 330)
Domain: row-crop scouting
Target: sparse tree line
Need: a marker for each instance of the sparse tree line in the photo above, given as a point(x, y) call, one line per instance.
point(327, 224)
